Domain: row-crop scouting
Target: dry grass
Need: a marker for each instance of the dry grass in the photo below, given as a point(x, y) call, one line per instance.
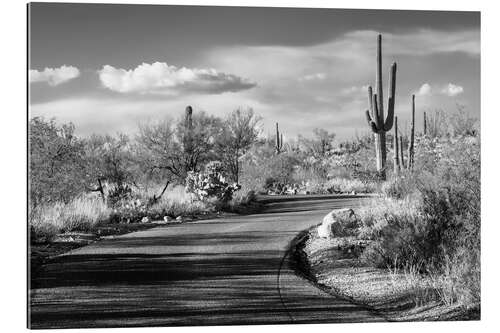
point(81, 214)
point(177, 202)
point(376, 214)
point(85, 212)
point(402, 235)
point(400, 294)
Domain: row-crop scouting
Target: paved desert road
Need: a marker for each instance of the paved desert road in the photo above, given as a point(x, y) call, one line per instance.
point(214, 272)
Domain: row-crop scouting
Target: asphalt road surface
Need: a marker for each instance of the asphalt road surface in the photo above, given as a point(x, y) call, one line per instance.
point(225, 271)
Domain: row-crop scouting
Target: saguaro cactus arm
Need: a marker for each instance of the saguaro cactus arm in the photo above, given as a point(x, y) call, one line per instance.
point(375, 117)
point(378, 79)
point(396, 147)
point(371, 123)
point(279, 140)
point(392, 99)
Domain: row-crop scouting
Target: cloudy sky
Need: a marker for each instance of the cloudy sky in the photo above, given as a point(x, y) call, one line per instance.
point(108, 67)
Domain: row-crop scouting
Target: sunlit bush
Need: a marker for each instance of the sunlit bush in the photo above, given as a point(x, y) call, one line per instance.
point(211, 183)
point(431, 218)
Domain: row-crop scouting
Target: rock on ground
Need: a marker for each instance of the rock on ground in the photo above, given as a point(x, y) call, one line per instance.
point(338, 223)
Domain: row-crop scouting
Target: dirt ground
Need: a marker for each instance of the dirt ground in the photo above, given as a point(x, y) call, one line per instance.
point(333, 265)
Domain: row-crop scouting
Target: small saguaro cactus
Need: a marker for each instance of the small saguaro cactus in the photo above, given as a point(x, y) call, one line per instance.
point(189, 117)
point(188, 135)
point(425, 123)
point(411, 145)
point(279, 140)
point(401, 151)
point(375, 116)
point(396, 147)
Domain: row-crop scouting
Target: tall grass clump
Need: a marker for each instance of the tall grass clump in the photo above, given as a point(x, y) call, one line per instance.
point(80, 214)
point(177, 202)
point(399, 187)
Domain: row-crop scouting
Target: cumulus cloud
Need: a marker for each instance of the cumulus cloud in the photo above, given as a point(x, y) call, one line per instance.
point(354, 90)
point(424, 90)
point(449, 90)
point(161, 78)
point(54, 76)
point(452, 90)
point(313, 77)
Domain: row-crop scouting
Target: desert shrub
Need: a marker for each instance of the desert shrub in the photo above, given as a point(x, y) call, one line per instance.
point(56, 162)
point(175, 201)
point(418, 288)
point(396, 227)
point(401, 186)
point(179, 203)
point(338, 185)
point(118, 194)
point(462, 123)
point(437, 124)
point(354, 160)
point(448, 204)
point(460, 279)
point(211, 183)
point(45, 222)
point(128, 210)
point(282, 167)
point(434, 222)
point(314, 186)
point(262, 165)
point(243, 203)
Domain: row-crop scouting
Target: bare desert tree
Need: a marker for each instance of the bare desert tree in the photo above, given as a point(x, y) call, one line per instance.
point(196, 134)
point(240, 131)
point(168, 150)
point(108, 160)
point(56, 160)
point(320, 144)
point(157, 152)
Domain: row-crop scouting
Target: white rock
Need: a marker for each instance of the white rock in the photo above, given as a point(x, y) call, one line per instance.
point(335, 223)
point(145, 219)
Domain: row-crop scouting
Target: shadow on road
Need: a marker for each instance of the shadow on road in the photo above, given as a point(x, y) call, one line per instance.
point(217, 272)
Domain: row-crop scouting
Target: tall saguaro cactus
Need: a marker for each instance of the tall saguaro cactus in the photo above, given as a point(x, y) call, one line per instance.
point(188, 137)
point(411, 146)
point(401, 151)
point(375, 116)
point(396, 147)
point(425, 123)
point(279, 140)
